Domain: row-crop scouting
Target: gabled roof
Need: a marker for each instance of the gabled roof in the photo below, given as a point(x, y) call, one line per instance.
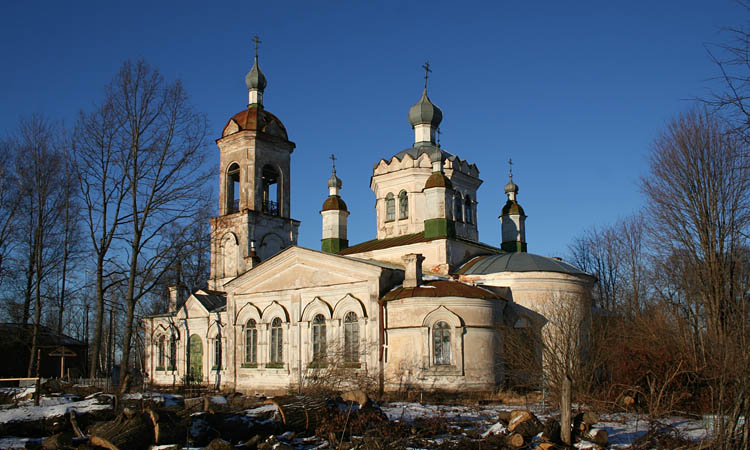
point(211, 300)
point(268, 268)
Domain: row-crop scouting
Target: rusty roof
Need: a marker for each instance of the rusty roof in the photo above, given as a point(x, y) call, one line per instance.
point(438, 179)
point(334, 203)
point(441, 288)
point(380, 244)
point(256, 118)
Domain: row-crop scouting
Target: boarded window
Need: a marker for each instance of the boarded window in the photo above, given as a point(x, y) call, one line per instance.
point(351, 337)
point(441, 341)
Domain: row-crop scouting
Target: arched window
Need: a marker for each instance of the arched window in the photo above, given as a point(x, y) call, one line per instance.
point(441, 341)
point(276, 342)
point(390, 207)
point(270, 184)
point(233, 188)
point(403, 205)
point(172, 352)
point(468, 213)
point(458, 208)
point(217, 353)
point(319, 337)
point(160, 354)
point(251, 342)
point(351, 337)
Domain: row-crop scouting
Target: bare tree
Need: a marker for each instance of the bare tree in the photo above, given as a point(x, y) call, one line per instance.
point(698, 191)
point(41, 184)
point(9, 204)
point(100, 162)
point(165, 139)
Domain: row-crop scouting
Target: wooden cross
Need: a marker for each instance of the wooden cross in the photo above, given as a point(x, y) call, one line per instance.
point(427, 70)
point(333, 163)
point(257, 41)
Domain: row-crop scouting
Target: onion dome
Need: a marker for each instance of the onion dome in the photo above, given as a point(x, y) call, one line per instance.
point(511, 187)
point(334, 203)
point(334, 181)
point(255, 78)
point(425, 112)
point(438, 179)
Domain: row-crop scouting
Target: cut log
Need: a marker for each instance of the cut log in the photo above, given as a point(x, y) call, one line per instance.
point(504, 416)
point(598, 436)
point(545, 446)
point(628, 401)
point(583, 421)
point(299, 412)
point(514, 440)
point(168, 428)
point(123, 433)
point(525, 423)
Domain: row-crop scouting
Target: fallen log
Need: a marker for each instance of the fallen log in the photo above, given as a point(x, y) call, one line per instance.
point(168, 428)
point(524, 422)
point(514, 440)
point(504, 417)
point(128, 431)
point(299, 412)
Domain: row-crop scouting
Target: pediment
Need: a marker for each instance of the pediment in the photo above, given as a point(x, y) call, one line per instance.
point(191, 309)
point(296, 268)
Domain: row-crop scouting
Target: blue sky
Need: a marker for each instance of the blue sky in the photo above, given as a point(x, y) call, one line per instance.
point(574, 92)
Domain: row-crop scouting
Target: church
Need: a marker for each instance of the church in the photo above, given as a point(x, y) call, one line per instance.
point(423, 304)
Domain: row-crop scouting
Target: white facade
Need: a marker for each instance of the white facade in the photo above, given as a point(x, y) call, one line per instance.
point(279, 316)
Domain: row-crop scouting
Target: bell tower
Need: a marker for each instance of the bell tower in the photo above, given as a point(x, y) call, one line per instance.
point(254, 221)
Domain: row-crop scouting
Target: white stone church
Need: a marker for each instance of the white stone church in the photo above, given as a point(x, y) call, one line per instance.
point(424, 304)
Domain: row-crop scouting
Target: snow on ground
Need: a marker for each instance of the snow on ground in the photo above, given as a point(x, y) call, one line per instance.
point(49, 408)
point(158, 397)
point(623, 428)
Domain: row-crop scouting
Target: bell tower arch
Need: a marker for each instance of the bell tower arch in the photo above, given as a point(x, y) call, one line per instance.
point(254, 187)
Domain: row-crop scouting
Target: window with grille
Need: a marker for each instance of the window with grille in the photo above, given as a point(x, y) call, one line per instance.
point(351, 337)
point(390, 207)
point(251, 342)
point(441, 341)
point(319, 338)
point(276, 355)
